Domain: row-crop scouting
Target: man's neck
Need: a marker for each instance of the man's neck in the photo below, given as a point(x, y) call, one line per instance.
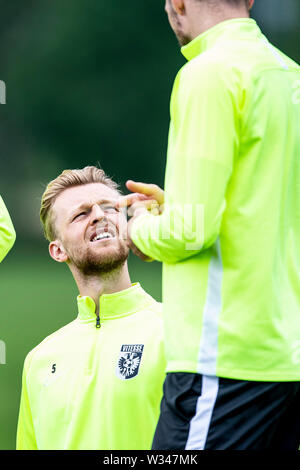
point(99, 284)
point(201, 21)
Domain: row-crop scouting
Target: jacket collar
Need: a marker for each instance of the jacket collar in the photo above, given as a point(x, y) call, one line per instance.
point(116, 305)
point(234, 28)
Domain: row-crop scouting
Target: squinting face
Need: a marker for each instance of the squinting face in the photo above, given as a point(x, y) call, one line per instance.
point(90, 228)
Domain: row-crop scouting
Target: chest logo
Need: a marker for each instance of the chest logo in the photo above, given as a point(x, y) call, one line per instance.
point(130, 358)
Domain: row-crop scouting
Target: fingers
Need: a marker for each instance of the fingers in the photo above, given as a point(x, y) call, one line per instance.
point(143, 188)
point(127, 201)
point(140, 207)
point(151, 190)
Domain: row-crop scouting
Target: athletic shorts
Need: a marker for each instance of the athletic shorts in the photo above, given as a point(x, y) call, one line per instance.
point(201, 412)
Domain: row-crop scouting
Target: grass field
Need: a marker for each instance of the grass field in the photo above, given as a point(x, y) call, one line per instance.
point(38, 296)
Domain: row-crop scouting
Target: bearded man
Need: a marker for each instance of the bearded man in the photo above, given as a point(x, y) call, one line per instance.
point(97, 382)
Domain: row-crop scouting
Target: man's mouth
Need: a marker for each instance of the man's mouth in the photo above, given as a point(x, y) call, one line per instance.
point(102, 235)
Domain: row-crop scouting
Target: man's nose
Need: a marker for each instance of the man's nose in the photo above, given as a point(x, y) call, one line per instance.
point(97, 214)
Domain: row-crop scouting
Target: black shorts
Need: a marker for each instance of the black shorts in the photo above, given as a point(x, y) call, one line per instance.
point(201, 412)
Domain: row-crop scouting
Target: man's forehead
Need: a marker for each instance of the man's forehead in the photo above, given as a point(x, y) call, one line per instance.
point(91, 193)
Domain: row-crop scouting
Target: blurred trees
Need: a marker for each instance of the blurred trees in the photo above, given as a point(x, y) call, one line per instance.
point(89, 81)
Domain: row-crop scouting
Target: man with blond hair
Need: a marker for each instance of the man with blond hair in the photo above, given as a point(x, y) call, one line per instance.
point(97, 382)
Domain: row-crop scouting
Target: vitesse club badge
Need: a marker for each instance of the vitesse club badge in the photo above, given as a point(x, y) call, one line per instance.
point(129, 361)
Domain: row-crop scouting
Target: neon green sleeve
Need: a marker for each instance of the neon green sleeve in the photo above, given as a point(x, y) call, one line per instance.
point(7, 231)
point(25, 432)
point(203, 142)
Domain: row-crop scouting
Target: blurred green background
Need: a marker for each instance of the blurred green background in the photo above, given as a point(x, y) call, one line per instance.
point(87, 82)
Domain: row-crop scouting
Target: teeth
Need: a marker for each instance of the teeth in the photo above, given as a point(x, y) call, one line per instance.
point(101, 236)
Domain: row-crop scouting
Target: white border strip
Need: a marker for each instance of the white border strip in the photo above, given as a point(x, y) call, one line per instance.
point(199, 425)
point(275, 53)
point(207, 359)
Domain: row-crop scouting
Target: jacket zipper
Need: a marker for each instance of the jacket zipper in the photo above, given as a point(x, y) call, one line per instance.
point(98, 324)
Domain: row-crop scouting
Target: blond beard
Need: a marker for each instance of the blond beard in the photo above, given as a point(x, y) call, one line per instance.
point(90, 264)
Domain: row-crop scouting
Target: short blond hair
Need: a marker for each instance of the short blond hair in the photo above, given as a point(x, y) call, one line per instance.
point(68, 179)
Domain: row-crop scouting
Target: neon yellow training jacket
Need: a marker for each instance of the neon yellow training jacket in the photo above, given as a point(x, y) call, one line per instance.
point(229, 238)
point(96, 388)
point(7, 231)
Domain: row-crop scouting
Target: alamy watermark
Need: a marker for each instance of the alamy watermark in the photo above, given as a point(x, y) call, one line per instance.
point(296, 352)
point(183, 223)
point(296, 93)
point(2, 343)
point(2, 352)
point(2, 92)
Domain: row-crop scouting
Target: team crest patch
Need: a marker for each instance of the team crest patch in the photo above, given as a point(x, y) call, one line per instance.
point(129, 361)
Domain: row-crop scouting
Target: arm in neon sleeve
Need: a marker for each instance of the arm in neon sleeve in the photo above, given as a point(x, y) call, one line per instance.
point(25, 433)
point(203, 143)
point(7, 231)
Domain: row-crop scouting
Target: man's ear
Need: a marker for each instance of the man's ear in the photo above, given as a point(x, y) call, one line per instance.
point(251, 3)
point(57, 251)
point(178, 6)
